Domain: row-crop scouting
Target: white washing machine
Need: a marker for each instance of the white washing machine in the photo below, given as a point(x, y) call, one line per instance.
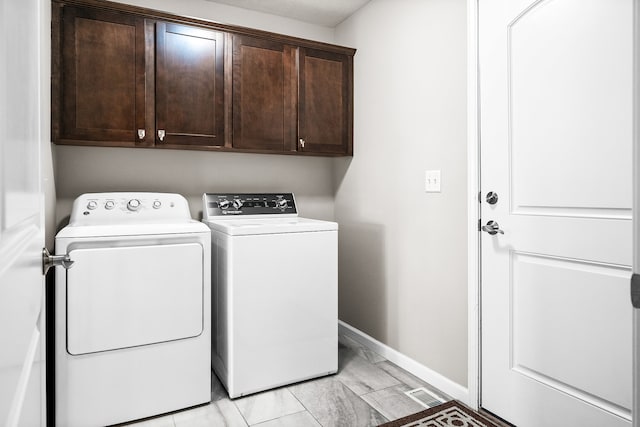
point(132, 313)
point(275, 292)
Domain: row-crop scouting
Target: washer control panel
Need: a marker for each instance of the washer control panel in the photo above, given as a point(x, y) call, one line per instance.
point(114, 208)
point(223, 204)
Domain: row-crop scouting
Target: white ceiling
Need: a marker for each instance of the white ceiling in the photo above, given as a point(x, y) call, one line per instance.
point(328, 13)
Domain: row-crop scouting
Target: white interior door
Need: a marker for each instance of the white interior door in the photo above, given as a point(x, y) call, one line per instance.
point(21, 218)
point(556, 145)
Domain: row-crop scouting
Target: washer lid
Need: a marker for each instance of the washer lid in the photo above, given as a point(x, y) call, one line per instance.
point(252, 226)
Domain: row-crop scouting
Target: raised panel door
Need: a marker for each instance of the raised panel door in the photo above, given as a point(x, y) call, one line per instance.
point(556, 129)
point(264, 95)
point(325, 106)
point(103, 78)
point(189, 86)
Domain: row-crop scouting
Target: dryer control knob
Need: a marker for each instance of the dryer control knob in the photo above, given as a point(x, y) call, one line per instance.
point(224, 204)
point(157, 204)
point(109, 204)
point(237, 203)
point(92, 205)
point(133, 204)
point(281, 203)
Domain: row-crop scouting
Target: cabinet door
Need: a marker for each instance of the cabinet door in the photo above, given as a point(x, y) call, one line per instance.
point(325, 105)
point(264, 95)
point(189, 86)
point(103, 78)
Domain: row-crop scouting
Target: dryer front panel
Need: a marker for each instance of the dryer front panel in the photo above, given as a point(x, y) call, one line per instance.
point(119, 297)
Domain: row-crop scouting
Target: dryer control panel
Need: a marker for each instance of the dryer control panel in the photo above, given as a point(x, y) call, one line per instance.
point(234, 204)
point(118, 208)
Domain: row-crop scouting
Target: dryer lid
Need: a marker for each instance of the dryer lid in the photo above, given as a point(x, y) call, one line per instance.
point(114, 303)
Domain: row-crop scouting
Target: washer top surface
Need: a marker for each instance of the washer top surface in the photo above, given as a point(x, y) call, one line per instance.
point(129, 213)
point(242, 214)
point(252, 226)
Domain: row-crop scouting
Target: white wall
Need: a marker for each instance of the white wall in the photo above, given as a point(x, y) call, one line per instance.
point(403, 252)
point(95, 169)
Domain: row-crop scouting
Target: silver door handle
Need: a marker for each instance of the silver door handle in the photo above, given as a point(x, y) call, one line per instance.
point(492, 228)
point(161, 134)
point(49, 261)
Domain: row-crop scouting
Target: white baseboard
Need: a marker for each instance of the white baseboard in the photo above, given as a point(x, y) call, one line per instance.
point(427, 375)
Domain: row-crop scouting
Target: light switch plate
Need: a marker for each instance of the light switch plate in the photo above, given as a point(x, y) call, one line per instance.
point(432, 181)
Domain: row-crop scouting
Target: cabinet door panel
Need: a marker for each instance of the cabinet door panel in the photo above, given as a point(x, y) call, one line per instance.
point(325, 103)
point(264, 95)
point(103, 94)
point(189, 85)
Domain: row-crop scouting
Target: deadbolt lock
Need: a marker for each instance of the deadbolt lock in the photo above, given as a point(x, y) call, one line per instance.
point(492, 198)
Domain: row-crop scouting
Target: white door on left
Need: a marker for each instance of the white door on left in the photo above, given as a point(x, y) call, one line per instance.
point(22, 382)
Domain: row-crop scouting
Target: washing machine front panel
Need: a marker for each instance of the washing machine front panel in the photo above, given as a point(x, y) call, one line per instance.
point(285, 312)
point(114, 303)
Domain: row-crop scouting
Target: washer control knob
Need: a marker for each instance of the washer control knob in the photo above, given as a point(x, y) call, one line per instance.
point(157, 204)
point(281, 203)
point(133, 204)
point(109, 204)
point(237, 203)
point(224, 204)
point(92, 205)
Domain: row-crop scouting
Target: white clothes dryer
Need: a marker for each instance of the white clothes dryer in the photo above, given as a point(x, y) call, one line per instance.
point(275, 292)
point(132, 314)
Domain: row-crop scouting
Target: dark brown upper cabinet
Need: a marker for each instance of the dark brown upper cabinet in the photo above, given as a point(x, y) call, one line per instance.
point(102, 95)
point(264, 94)
point(189, 86)
point(133, 77)
point(288, 98)
point(325, 106)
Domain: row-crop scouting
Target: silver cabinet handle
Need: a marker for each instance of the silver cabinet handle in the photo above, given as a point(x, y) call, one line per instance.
point(161, 134)
point(141, 134)
point(492, 228)
point(49, 261)
point(302, 141)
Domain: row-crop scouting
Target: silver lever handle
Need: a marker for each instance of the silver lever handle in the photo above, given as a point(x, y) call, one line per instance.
point(49, 261)
point(492, 228)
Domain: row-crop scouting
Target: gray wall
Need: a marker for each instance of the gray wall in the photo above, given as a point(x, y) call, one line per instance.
point(403, 252)
point(96, 169)
point(191, 173)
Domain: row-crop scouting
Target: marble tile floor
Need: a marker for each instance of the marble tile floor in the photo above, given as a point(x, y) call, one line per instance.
point(367, 391)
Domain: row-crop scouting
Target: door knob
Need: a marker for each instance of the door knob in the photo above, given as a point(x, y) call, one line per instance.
point(49, 261)
point(492, 228)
